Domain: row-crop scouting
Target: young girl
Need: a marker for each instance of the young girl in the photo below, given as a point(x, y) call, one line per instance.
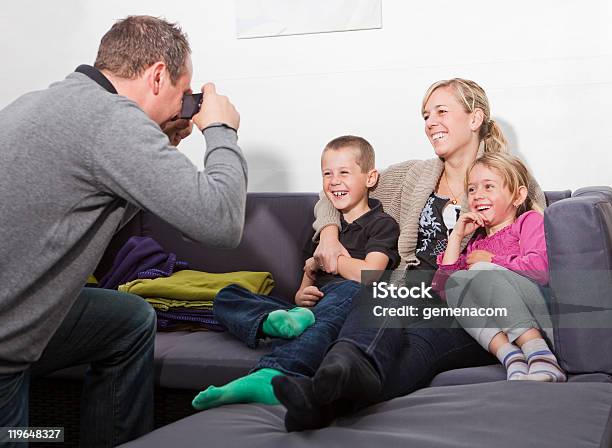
point(510, 241)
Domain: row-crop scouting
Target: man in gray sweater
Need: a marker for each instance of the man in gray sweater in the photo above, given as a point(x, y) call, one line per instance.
point(76, 161)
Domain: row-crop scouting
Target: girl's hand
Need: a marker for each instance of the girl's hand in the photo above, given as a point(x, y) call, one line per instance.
point(478, 255)
point(468, 223)
point(308, 297)
point(329, 249)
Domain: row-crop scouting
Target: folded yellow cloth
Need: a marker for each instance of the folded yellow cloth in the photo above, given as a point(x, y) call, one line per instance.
point(196, 285)
point(167, 304)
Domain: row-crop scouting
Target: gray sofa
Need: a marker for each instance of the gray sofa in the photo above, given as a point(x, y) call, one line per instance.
point(464, 407)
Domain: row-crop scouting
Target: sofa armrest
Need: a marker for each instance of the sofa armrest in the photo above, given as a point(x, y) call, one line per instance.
point(579, 241)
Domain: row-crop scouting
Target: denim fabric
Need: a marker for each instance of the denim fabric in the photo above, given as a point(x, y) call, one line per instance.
point(242, 313)
point(409, 354)
point(114, 332)
point(426, 352)
point(14, 390)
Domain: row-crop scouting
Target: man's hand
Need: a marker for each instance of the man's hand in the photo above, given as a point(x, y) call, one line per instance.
point(177, 130)
point(478, 255)
point(216, 109)
point(308, 297)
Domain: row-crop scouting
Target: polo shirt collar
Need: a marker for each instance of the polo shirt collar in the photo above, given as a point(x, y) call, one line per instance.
point(375, 207)
point(97, 76)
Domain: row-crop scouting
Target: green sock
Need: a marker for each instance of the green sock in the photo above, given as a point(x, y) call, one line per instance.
point(253, 388)
point(288, 324)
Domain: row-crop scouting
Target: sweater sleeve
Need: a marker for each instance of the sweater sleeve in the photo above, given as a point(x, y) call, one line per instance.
point(532, 259)
point(132, 159)
point(388, 191)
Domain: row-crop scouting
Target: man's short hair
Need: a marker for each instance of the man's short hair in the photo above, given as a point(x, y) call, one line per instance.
point(135, 43)
point(365, 153)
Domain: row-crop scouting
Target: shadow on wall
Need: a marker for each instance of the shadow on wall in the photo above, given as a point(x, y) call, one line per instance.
point(267, 171)
point(513, 141)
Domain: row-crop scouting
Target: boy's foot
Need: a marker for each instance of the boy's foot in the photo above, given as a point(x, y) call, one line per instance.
point(543, 365)
point(346, 373)
point(253, 388)
point(303, 411)
point(288, 324)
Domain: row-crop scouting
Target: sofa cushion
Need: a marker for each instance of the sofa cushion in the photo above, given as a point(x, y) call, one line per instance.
point(502, 414)
point(579, 241)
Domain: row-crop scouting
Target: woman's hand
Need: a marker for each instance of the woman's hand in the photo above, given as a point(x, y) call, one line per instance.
point(477, 256)
point(329, 249)
point(468, 223)
point(310, 268)
point(308, 296)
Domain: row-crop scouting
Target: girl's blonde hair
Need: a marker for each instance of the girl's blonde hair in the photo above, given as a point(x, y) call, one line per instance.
point(514, 174)
point(473, 97)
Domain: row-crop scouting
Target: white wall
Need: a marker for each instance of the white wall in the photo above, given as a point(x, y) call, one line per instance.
point(546, 66)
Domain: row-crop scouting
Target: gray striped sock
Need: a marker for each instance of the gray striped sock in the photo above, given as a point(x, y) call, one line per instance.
point(543, 365)
point(513, 360)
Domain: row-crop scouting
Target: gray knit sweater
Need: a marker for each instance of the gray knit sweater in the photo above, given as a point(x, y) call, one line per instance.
point(75, 162)
point(403, 190)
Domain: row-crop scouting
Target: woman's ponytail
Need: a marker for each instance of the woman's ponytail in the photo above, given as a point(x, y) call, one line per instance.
point(493, 138)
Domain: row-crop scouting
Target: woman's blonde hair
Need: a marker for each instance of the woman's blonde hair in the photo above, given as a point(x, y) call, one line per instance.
point(473, 97)
point(514, 175)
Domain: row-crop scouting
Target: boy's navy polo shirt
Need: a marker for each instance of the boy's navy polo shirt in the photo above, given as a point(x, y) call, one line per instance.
point(374, 231)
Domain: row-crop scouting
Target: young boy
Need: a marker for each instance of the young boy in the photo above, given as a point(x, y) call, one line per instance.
point(370, 237)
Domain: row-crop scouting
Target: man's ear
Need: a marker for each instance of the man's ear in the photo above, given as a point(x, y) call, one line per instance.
point(521, 195)
point(156, 75)
point(477, 119)
point(372, 178)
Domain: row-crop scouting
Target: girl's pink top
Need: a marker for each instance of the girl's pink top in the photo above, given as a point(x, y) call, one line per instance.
point(520, 247)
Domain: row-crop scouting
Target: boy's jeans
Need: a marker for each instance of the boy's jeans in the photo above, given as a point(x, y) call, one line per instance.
point(114, 332)
point(243, 312)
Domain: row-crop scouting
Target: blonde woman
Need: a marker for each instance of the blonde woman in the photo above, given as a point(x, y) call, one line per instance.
point(426, 197)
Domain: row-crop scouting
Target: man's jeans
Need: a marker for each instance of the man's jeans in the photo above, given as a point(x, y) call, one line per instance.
point(114, 333)
point(243, 312)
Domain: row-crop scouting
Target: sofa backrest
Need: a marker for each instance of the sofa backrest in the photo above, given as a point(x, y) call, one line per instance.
point(278, 227)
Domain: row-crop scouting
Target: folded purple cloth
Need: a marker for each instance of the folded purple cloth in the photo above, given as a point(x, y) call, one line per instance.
point(140, 257)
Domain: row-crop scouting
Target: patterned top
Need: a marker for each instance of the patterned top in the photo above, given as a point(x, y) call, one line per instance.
point(438, 218)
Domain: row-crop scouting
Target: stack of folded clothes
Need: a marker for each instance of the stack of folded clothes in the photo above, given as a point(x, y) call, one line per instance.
point(140, 257)
point(184, 300)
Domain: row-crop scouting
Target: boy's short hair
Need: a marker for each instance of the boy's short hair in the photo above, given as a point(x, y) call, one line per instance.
point(365, 153)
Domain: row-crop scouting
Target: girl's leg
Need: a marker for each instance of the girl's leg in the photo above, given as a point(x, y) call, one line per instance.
point(525, 309)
